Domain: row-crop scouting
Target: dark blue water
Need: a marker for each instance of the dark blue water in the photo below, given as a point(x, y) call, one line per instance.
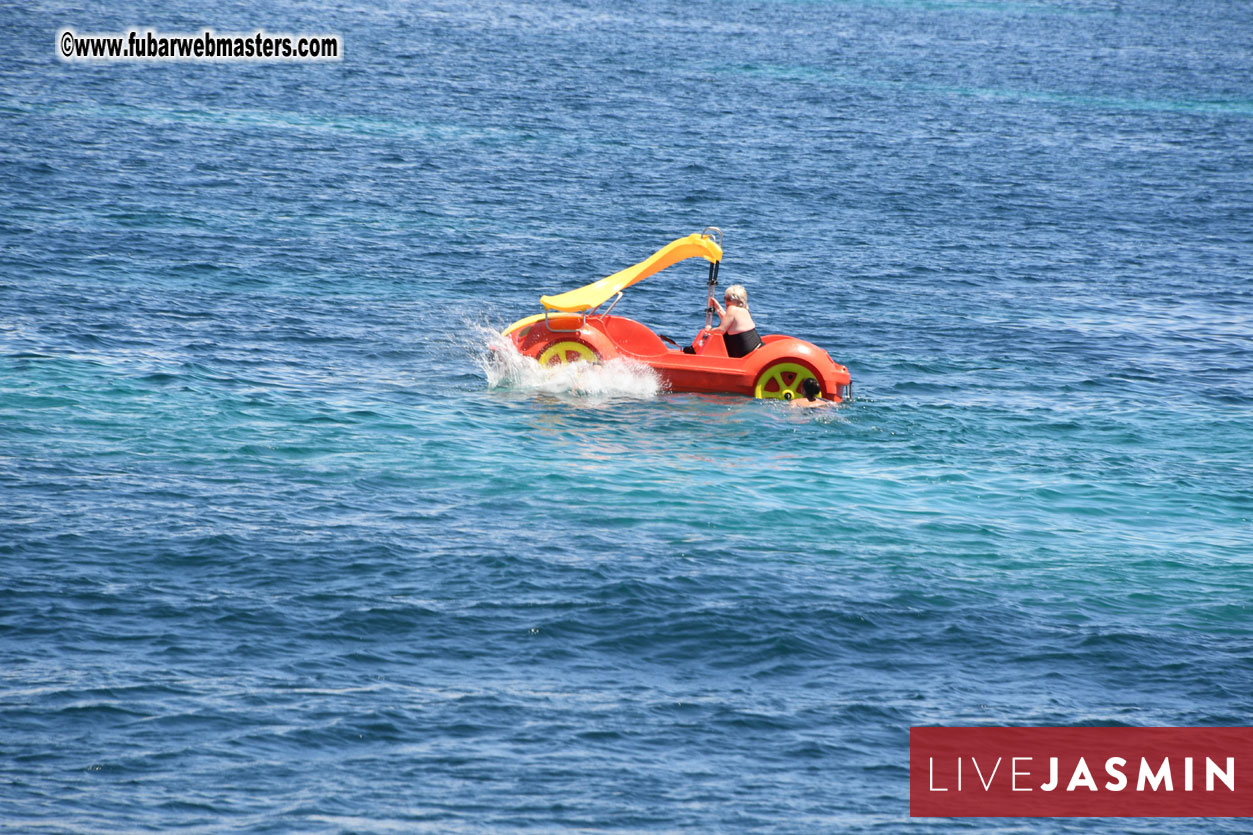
point(283, 552)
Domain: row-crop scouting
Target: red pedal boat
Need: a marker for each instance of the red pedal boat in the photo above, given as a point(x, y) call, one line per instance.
point(571, 330)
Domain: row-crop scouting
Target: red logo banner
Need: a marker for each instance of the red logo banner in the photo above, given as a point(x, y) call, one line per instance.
point(1080, 772)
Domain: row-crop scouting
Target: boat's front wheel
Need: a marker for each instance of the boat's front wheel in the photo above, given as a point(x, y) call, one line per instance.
point(782, 381)
point(566, 352)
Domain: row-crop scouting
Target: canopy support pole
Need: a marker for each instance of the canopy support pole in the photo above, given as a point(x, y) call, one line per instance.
point(710, 285)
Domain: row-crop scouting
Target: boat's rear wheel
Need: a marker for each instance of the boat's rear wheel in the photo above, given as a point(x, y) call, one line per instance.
point(566, 352)
point(782, 381)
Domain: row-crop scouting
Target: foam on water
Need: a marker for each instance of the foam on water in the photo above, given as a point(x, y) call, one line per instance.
point(505, 368)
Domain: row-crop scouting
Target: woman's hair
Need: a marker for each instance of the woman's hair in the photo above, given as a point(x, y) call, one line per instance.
point(737, 293)
point(811, 388)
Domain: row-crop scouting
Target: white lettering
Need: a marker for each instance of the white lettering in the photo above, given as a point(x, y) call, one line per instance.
point(1014, 773)
point(987, 784)
point(1113, 767)
point(1228, 775)
point(931, 773)
point(1081, 777)
point(1156, 779)
point(1052, 783)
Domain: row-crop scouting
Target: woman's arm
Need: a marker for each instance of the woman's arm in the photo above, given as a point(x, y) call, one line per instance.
point(724, 321)
point(729, 317)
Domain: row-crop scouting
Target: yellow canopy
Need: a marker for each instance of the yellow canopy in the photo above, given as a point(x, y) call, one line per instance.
point(594, 295)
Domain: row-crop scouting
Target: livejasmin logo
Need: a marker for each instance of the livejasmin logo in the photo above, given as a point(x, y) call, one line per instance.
point(1081, 772)
point(1081, 777)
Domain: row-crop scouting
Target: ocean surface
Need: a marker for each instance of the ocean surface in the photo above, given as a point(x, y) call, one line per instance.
point(285, 547)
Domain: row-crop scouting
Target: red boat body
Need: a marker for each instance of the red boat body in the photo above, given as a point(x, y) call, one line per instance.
point(778, 365)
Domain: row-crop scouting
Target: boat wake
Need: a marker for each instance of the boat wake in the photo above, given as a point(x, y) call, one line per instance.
point(507, 369)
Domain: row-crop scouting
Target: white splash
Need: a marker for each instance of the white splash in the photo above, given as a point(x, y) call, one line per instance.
point(505, 368)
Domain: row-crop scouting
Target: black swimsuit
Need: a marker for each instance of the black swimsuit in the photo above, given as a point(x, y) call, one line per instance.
point(742, 344)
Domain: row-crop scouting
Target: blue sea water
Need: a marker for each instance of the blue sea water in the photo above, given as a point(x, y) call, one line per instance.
point(285, 549)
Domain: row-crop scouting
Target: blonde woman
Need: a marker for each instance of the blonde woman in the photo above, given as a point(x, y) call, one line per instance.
point(739, 332)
